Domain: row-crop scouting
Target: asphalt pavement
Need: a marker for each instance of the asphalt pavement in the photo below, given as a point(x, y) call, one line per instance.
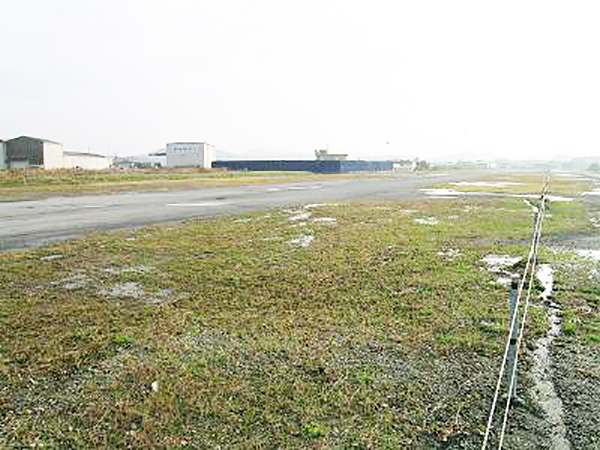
point(36, 222)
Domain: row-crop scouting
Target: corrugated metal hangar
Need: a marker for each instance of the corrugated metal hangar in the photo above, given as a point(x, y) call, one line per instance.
point(24, 152)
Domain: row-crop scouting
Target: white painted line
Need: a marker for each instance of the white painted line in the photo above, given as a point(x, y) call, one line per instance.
point(91, 206)
point(190, 205)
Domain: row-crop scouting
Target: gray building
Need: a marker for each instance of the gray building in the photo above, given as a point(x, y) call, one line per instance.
point(190, 154)
point(25, 152)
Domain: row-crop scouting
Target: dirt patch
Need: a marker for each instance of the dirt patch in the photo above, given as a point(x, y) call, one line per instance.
point(576, 374)
point(136, 291)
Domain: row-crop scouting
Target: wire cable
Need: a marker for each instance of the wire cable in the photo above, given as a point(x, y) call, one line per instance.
point(522, 330)
point(532, 251)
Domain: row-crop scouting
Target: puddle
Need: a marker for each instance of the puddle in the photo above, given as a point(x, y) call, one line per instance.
point(304, 214)
point(452, 193)
point(594, 192)
point(543, 390)
point(328, 220)
point(502, 281)
point(299, 215)
point(427, 221)
point(317, 205)
point(444, 197)
point(451, 253)
point(589, 254)
point(545, 276)
point(52, 257)
point(442, 192)
point(302, 241)
point(571, 176)
point(558, 198)
point(497, 263)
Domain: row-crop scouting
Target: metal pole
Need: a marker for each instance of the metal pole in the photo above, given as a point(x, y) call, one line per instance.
point(512, 352)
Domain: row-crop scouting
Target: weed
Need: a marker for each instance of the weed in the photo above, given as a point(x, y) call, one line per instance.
point(366, 377)
point(314, 430)
point(122, 341)
point(460, 267)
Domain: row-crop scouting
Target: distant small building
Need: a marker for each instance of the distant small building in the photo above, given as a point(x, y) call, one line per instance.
point(154, 160)
point(190, 154)
point(87, 161)
point(25, 152)
point(324, 155)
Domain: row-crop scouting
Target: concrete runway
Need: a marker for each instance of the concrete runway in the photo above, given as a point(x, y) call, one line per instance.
point(36, 222)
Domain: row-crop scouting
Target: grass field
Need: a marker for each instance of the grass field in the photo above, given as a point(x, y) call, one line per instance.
point(523, 183)
point(357, 325)
point(35, 183)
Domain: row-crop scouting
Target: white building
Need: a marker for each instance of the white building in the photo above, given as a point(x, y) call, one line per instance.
point(87, 161)
point(24, 152)
point(190, 154)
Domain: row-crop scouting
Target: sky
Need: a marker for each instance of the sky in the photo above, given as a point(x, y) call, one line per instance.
point(278, 78)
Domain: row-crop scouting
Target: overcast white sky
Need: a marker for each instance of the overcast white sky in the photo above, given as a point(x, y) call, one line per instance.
point(277, 78)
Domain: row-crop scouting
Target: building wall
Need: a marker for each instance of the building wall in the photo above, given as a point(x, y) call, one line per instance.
point(3, 161)
point(210, 154)
point(52, 156)
point(19, 164)
point(190, 154)
point(85, 161)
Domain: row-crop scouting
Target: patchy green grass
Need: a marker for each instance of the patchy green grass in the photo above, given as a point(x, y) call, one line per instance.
point(575, 363)
point(522, 183)
point(381, 332)
point(578, 292)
